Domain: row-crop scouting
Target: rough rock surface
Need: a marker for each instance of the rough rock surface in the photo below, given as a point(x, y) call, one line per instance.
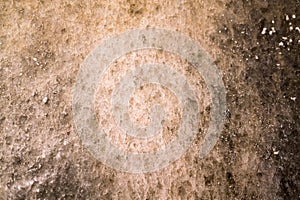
point(254, 43)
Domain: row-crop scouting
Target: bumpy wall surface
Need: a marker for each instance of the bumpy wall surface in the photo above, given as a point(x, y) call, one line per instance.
point(249, 49)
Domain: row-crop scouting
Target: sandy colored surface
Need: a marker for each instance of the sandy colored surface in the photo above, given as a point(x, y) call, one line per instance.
point(43, 43)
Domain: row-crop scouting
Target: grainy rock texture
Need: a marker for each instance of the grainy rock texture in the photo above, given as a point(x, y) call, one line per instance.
point(254, 43)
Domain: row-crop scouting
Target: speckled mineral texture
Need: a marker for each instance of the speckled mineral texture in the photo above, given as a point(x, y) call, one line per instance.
point(254, 43)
